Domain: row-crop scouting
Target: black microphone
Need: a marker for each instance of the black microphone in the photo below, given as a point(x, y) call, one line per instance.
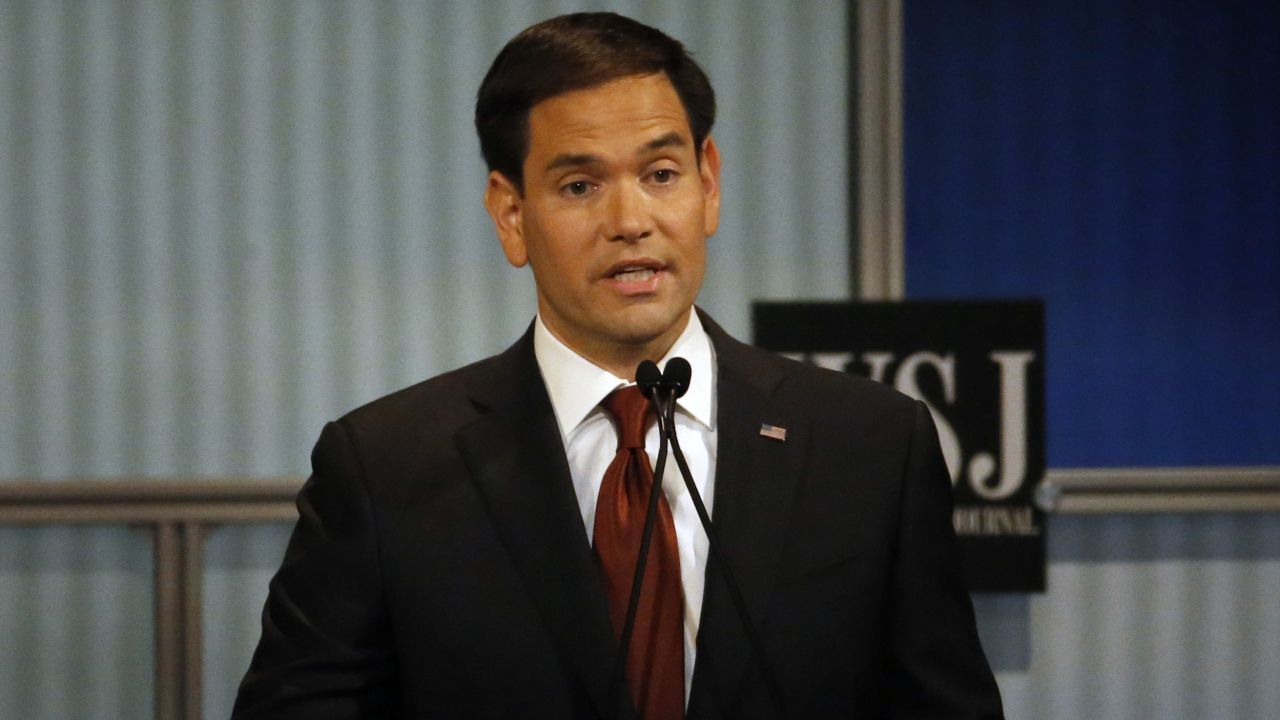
point(676, 377)
point(648, 377)
point(675, 381)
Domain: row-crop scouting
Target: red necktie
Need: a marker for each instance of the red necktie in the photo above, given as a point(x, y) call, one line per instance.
point(655, 660)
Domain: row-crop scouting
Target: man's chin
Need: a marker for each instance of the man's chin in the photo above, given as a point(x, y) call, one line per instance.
point(645, 328)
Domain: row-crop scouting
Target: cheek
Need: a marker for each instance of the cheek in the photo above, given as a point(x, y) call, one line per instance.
point(684, 220)
point(541, 237)
point(689, 231)
point(562, 230)
point(560, 258)
point(698, 262)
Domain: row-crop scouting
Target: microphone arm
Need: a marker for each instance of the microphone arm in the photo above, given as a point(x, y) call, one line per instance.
point(676, 381)
point(662, 389)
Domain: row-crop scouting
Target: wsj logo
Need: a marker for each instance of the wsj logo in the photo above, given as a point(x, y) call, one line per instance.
point(988, 478)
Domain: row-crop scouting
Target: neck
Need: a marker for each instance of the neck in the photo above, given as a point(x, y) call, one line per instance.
point(623, 364)
point(621, 359)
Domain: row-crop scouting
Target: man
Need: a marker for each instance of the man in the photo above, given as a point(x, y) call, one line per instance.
point(456, 550)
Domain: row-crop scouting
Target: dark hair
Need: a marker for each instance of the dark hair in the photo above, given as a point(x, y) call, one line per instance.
point(575, 52)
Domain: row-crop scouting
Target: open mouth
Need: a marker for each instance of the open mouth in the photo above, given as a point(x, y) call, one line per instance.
point(635, 274)
point(640, 276)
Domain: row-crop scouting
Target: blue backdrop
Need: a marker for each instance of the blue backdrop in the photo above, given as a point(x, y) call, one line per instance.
point(1120, 160)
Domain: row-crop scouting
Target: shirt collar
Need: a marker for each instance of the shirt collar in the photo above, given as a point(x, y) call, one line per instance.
point(576, 385)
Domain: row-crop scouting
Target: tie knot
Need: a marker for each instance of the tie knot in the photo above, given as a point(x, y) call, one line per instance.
point(631, 412)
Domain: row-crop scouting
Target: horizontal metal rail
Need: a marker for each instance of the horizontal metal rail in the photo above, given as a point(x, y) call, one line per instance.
point(1157, 490)
point(148, 500)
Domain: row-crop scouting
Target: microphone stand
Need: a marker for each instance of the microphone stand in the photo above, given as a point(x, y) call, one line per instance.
point(677, 386)
point(669, 386)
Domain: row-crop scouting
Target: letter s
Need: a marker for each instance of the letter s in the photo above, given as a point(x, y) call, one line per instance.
point(905, 382)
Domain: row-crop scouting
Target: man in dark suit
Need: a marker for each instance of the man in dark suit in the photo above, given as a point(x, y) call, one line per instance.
point(448, 559)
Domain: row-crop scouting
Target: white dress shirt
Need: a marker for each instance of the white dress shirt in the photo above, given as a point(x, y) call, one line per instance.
point(577, 386)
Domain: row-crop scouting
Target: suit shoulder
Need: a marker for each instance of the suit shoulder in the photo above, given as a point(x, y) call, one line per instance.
point(809, 387)
point(441, 400)
point(841, 390)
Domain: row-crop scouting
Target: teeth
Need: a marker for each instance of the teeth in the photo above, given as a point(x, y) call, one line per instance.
point(636, 275)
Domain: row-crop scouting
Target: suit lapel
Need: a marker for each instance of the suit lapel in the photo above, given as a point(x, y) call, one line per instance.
point(516, 458)
point(517, 462)
point(756, 479)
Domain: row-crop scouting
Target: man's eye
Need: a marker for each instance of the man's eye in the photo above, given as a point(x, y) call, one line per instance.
point(662, 177)
point(579, 188)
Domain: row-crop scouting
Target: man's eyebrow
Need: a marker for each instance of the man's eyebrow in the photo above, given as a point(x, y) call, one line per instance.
point(573, 160)
point(671, 139)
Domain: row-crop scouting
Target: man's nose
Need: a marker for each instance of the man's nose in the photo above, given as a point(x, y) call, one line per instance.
point(628, 214)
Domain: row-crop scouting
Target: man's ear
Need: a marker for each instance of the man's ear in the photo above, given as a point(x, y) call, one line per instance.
point(505, 205)
point(709, 173)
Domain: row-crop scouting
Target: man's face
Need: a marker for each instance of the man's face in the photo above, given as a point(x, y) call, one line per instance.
point(614, 216)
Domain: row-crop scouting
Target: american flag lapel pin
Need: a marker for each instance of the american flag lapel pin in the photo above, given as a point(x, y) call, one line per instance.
point(773, 432)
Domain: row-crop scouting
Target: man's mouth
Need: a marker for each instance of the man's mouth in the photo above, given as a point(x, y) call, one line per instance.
point(634, 274)
point(636, 277)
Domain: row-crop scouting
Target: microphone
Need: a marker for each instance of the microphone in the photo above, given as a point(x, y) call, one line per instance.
point(648, 377)
point(676, 377)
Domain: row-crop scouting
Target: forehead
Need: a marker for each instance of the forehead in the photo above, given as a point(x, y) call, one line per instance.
point(622, 114)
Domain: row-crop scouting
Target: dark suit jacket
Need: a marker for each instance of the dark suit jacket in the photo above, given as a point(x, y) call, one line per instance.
point(440, 567)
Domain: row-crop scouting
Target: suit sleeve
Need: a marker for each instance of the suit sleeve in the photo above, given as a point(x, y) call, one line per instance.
point(937, 668)
point(325, 649)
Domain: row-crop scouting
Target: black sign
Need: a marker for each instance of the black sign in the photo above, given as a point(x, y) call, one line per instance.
point(979, 366)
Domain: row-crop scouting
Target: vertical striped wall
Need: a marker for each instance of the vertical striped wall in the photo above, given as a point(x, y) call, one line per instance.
point(1174, 617)
point(225, 222)
point(222, 223)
